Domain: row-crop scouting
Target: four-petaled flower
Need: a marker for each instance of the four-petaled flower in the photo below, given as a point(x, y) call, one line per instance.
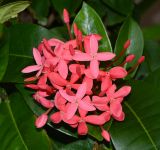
point(93, 56)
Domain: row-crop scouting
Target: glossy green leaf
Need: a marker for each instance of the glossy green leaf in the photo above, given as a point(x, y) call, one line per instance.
point(130, 30)
point(89, 22)
point(11, 10)
point(71, 6)
point(140, 129)
point(4, 50)
point(17, 127)
point(38, 110)
point(152, 32)
point(23, 37)
point(122, 6)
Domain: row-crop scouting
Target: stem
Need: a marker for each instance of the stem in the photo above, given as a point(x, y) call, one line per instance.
point(69, 31)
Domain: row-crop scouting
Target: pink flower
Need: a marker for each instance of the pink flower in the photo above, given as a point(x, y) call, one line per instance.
point(77, 101)
point(116, 98)
point(93, 56)
point(61, 59)
point(72, 81)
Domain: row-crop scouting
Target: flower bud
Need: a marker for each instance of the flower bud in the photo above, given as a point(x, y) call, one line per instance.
point(141, 59)
point(41, 121)
point(66, 16)
point(105, 135)
point(130, 58)
point(127, 44)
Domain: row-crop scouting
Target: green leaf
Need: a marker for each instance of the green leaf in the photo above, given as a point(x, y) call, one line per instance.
point(11, 10)
point(98, 6)
point(124, 7)
point(38, 110)
point(71, 6)
point(4, 50)
point(40, 10)
point(17, 126)
point(85, 144)
point(23, 37)
point(113, 17)
point(89, 22)
point(60, 32)
point(3, 95)
point(152, 32)
point(140, 129)
point(130, 30)
point(103, 10)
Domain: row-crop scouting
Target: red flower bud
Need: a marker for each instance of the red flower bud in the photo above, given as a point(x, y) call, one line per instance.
point(66, 16)
point(141, 59)
point(130, 58)
point(127, 44)
point(41, 121)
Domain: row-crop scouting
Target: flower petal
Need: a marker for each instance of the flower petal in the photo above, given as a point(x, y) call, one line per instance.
point(59, 101)
point(56, 117)
point(71, 110)
point(100, 103)
point(46, 103)
point(89, 83)
point(31, 69)
point(111, 90)
point(79, 56)
point(122, 92)
point(120, 118)
point(71, 42)
point(94, 67)
point(54, 42)
point(95, 119)
point(104, 56)
point(81, 91)
point(37, 56)
point(66, 96)
point(63, 69)
point(82, 112)
point(93, 44)
point(106, 83)
point(82, 128)
point(86, 44)
point(116, 108)
point(55, 78)
point(85, 105)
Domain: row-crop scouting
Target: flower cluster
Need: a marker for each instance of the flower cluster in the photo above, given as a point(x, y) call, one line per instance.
point(71, 79)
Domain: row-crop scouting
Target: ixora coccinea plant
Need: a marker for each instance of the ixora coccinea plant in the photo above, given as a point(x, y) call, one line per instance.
point(78, 82)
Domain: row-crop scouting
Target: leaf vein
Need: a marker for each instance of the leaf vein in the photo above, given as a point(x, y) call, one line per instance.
point(142, 125)
point(14, 122)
